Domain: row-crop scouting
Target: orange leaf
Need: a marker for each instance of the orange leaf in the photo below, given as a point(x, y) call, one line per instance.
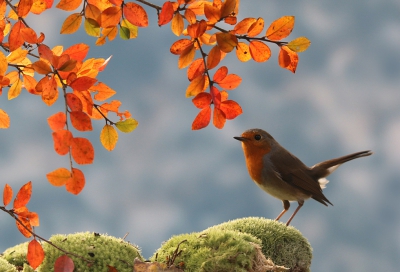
point(108, 137)
point(212, 13)
point(231, 109)
point(202, 100)
point(62, 141)
point(195, 69)
point(24, 6)
point(30, 84)
point(197, 85)
point(186, 57)
point(111, 16)
point(93, 12)
point(228, 7)
point(73, 102)
point(259, 51)
point(190, 16)
point(69, 5)
point(80, 121)
point(178, 47)
point(288, 59)
point(256, 28)
point(219, 118)
point(177, 24)
point(23, 195)
point(197, 7)
point(280, 28)
point(214, 57)
point(42, 67)
point(243, 26)
point(3, 64)
point(82, 83)
point(49, 90)
point(29, 35)
point(104, 92)
point(243, 52)
point(220, 74)
point(33, 218)
point(82, 151)
point(59, 176)
point(15, 89)
point(202, 119)
point(22, 229)
point(4, 119)
point(166, 14)
point(230, 82)
point(226, 41)
point(45, 52)
point(7, 194)
point(35, 255)
point(15, 39)
point(71, 23)
point(77, 52)
point(135, 14)
point(197, 29)
point(76, 184)
point(57, 121)
point(64, 264)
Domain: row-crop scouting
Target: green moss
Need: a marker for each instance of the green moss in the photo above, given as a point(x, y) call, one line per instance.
point(212, 250)
point(103, 250)
point(5, 266)
point(285, 246)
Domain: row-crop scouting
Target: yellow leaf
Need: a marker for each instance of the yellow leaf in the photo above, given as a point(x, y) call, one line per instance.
point(186, 57)
point(280, 28)
point(15, 89)
point(131, 29)
point(299, 44)
point(128, 125)
point(226, 41)
point(16, 56)
point(69, 5)
point(196, 86)
point(243, 52)
point(177, 24)
point(3, 64)
point(71, 24)
point(108, 137)
point(4, 119)
point(92, 27)
point(59, 176)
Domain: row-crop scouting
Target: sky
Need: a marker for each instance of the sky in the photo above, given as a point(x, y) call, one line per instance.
point(164, 179)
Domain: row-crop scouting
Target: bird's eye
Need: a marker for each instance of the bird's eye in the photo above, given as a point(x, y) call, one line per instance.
point(257, 137)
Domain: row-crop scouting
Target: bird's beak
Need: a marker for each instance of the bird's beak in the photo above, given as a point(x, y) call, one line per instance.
point(242, 139)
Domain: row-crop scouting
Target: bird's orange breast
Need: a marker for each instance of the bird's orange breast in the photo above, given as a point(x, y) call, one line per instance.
point(254, 161)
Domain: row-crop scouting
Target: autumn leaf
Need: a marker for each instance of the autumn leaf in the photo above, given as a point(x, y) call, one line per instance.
point(197, 29)
point(45, 52)
point(69, 5)
point(64, 264)
point(22, 229)
point(4, 119)
point(126, 126)
point(214, 57)
point(177, 24)
point(104, 92)
point(92, 27)
point(71, 24)
point(15, 38)
point(29, 35)
point(128, 30)
point(220, 74)
point(23, 195)
point(73, 102)
point(76, 183)
point(202, 100)
point(186, 57)
point(82, 151)
point(82, 83)
point(299, 44)
point(3, 64)
point(212, 13)
point(57, 121)
point(228, 7)
point(80, 121)
point(288, 59)
point(280, 28)
point(219, 118)
point(231, 109)
point(195, 69)
point(62, 141)
point(48, 87)
point(230, 82)
point(77, 51)
point(202, 119)
point(243, 52)
point(108, 137)
point(197, 85)
point(259, 51)
point(15, 89)
point(226, 41)
point(111, 16)
point(24, 6)
point(59, 177)
point(243, 26)
point(256, 27)
point(35, 254)
point(7, 194)
point(135, 14)
point(166, 14)
point(42, 67)
point(178, 47)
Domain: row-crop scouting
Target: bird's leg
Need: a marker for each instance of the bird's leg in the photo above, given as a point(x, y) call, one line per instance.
point(286, 205)
point(301, 202)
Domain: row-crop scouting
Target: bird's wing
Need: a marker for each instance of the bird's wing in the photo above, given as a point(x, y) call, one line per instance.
point(295, 173)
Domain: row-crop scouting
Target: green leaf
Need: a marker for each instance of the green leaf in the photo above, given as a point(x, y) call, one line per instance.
point(92, 27)
point(127, 125)
point(299, 44)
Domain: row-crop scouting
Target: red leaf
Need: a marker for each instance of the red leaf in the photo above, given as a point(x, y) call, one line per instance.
point(82, 151)
point(136, 14)
point(288, 59)
point(231, 109)
point(166, 14)
point(35, 254)
point(62, 141)
point(195, 69)
point(202, 100)
point(15, 38)
point(76, 183)
point(64, 264)
point(81, 121)
point(45, 52)
point(57, 121)
point(7, 194)
point(230, 82)
point(73, 102)
point(220, 74)
point(83, 83)
point(22, 229)
point(202, 119)
point(23, 195)
point(77, 52)
point(219, 118)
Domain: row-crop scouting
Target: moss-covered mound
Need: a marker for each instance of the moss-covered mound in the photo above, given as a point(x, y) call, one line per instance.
point(285, 246)
point(102, 250)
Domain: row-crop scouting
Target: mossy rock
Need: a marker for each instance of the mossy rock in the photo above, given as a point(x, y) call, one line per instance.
point(5, 266)
point(102, 249)
point(285, 246)
point(213, 251)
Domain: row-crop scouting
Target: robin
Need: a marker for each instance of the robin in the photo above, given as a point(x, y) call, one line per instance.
point(283, 175)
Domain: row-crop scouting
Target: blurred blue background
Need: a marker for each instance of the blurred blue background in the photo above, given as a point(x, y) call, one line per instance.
point(164, 179)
